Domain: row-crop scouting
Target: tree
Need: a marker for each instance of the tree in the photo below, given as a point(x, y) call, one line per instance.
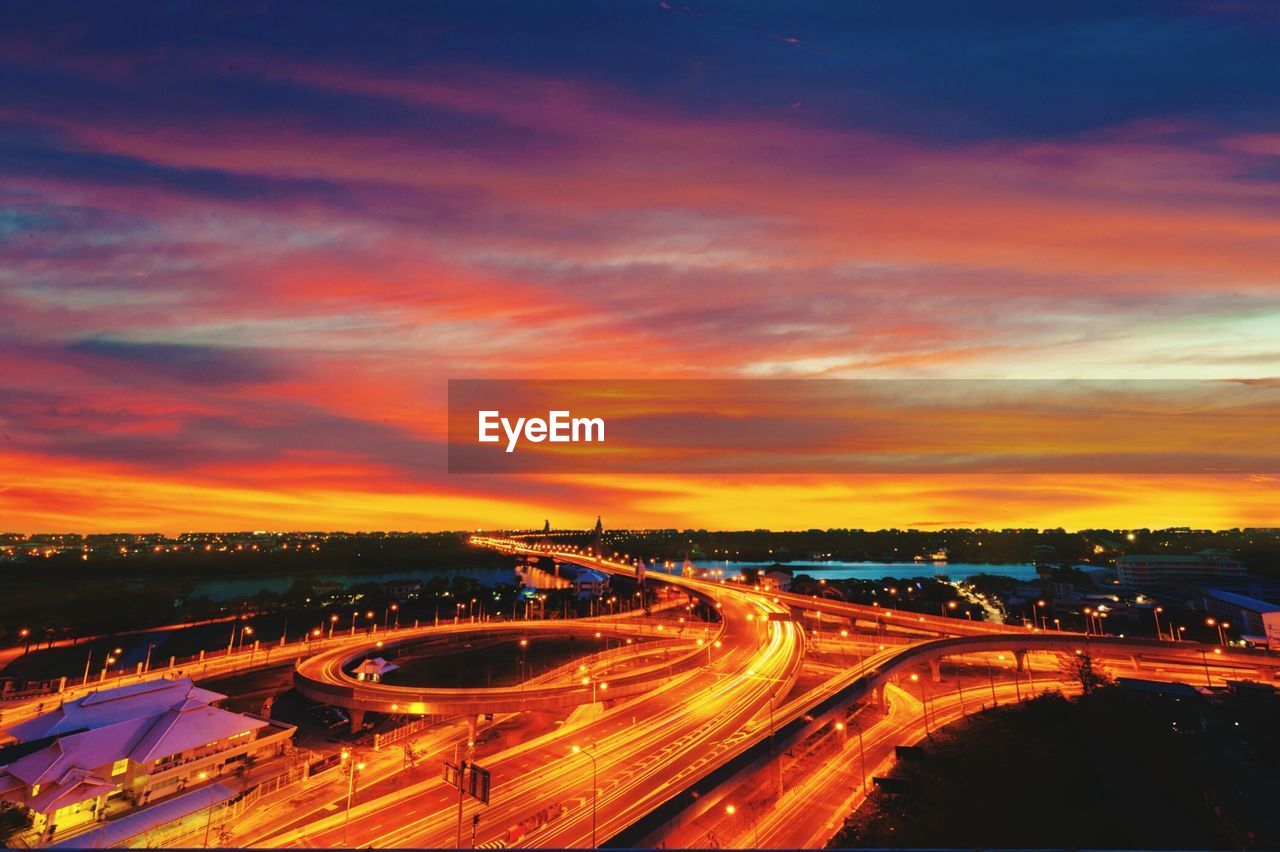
point(244, 769)
point(1081, 667)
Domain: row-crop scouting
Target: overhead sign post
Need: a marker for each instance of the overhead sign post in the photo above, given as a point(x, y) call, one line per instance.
point(476, 784)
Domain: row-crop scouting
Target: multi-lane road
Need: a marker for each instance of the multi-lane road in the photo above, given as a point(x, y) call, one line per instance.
point(643, 751)
point(586, 780)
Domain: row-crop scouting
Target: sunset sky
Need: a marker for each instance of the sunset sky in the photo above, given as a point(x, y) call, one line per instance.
point(243, 247)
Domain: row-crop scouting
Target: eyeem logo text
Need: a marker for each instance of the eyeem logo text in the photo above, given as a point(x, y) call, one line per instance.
point(558, 428)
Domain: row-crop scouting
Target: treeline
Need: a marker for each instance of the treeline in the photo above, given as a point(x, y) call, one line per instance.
point(1258, 550)
point(1112, 769)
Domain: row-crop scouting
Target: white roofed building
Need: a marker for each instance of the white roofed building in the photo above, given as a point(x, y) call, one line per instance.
point(128, 745)
point(374, 669)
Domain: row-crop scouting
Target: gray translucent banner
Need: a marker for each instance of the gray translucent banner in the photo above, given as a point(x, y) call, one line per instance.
point(863, 426)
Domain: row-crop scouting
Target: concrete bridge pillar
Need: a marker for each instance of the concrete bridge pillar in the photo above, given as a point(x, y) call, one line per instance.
point(1021, 656)
point(357, 720)
point(935, 669)
point(877, 695)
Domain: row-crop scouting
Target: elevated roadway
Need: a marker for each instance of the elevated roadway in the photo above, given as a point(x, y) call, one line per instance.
point(324, 677)
point(643, 752)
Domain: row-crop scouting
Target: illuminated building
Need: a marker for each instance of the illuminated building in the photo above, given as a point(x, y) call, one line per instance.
point(125, 747)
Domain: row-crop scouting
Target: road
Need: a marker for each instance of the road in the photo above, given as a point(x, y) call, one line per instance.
point(651, 746)
point(644, 750)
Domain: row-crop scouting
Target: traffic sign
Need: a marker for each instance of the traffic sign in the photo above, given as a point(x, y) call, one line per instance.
point(480, 783)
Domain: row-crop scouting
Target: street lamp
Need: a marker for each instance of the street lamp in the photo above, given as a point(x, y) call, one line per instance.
point(1204, 658)
point(208, 820)
point(356, 766)
point(578, 750)
point(924, 703)
point(1156, 613)
point(709, 646)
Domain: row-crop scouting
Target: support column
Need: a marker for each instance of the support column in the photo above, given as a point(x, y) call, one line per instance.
point(357, 720)
point(935, 669)
point(1021, 657)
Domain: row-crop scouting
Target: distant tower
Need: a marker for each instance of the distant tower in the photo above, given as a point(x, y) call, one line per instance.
point(597, 543)
point(546, 527)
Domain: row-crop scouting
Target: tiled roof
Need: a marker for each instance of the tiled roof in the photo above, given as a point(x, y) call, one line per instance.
point(377, 665)
point(77, 785)
point(106, 707)
point(177, 730)
point(142, 725)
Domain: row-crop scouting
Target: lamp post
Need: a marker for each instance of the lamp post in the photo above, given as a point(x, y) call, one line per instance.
point(355, 765)
point(731, 810)
point(709, 646)
point(924, 703)
point(594, 684)
point(1156, 613)
point(578, 750)
point(862, 759)
point(208, 820)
